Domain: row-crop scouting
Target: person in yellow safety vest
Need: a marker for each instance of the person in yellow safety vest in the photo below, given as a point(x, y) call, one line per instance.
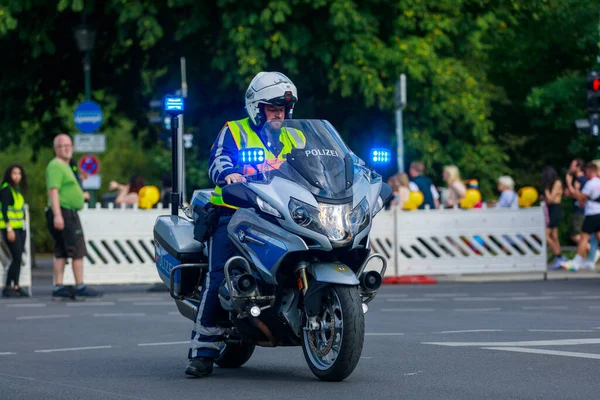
point(271, 96)
point(12, 226)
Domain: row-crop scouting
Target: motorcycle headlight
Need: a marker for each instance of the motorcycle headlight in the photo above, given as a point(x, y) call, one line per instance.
point(336, 221)
point(360, 217)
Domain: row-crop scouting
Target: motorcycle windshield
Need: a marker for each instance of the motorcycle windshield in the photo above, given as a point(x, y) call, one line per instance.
point(310, 153)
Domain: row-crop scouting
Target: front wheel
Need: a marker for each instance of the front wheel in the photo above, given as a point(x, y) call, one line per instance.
point(333, 351)
point(234, 355)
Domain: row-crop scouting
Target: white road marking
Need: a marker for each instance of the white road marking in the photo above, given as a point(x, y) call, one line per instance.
point(558, 342)
point(505, 294)
point(528, 298)
point(474, 299)
point(92, 304)
point(586, 297)
point(153, 303)
point(544, 307)
point(51, 316)
point(445, 294)
point(473, 331)
point(385, 334)
point(560, 330)
point(410, 300)
point(74, 349)
point(412, 373)
point(120, 314)
point(548, 352)
point(26, 305)
point(7, 354)
point(385, 295)
point(406, 309)
point(477, 309)
point(521, 298)
point(366, 358)
point(147, 298)
point(564, 292)
point(163, 343)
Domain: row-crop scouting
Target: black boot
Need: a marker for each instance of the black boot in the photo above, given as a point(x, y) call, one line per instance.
point(200, 367)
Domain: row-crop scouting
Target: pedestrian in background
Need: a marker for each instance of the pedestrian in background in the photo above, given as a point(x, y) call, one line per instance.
point(399, 183)
point(508, 197)
point(576, 170)
point(553, 190)
point(65, 199)
point(588, 198)
point(456, 188)
point(128, 195)
point(422, 183)
point(12, 225)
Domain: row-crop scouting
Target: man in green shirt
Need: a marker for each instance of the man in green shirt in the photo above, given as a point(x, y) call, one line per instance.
point(66, 198)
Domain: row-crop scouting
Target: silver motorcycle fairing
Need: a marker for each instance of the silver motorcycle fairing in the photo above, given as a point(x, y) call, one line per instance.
point(278, 194)
point(262, 242)
point(337, 273)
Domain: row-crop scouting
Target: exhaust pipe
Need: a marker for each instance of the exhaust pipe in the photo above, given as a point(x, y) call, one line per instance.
point(370, 281)
point(244, 284)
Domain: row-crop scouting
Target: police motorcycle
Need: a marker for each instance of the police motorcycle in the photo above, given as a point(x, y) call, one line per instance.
point(302, 233)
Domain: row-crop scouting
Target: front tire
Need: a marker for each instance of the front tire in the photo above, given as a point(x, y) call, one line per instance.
point(333, 351)
point(234, 355)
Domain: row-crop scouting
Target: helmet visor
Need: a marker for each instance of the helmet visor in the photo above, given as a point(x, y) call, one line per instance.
point(286, 100)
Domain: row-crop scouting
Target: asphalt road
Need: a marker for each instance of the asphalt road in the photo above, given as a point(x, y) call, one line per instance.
point(525, 340)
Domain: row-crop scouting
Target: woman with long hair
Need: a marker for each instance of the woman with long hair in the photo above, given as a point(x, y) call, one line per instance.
point(399, 183)
point(456, 187)
point(12, 224)
point(553, 190)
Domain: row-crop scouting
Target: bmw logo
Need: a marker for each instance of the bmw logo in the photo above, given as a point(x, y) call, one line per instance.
point(242, 236)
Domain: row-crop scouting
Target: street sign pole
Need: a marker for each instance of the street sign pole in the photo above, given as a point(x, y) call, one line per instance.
point(181, 150)
point(88, 118)
point(400, 102)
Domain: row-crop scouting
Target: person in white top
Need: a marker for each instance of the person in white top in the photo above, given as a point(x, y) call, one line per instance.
point(588, 197)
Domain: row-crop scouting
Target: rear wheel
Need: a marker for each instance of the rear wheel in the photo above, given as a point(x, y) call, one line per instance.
point(333, 351)
point(234, 355)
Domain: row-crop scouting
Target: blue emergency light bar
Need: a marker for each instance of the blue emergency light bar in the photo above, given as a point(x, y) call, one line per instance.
point(174, 105)
point(381, 156)
point(251, 156)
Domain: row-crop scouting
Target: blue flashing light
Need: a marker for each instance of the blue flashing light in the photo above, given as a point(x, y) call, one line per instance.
point(251, 156)
point(174, 105)
point(381, 156)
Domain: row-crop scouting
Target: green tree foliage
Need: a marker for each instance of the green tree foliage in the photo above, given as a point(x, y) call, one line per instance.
point(493, 85)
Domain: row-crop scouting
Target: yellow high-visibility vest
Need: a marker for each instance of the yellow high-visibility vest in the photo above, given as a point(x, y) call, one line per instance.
point(16, 212)
point(245, 138)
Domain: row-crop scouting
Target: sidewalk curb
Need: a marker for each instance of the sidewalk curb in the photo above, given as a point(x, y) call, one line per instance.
point(519, 277)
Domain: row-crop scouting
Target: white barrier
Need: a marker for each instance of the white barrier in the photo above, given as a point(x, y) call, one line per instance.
point(455, 241)
point(6, 258)
point(120, 246)
point(422, 242)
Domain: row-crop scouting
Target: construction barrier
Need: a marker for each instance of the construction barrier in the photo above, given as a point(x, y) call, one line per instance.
point(418, 245)
point(120, 246)
point(6, 258)
point(422, 243)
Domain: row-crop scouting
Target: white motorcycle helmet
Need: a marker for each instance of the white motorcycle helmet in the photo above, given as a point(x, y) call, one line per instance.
point(270, 88)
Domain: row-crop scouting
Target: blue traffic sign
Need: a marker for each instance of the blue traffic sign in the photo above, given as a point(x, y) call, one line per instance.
point(88, 117)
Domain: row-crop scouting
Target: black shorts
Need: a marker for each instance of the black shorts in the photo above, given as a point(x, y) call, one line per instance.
point(554, 215)
point(576, 224)
point(591, 224)
point(68, 243)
